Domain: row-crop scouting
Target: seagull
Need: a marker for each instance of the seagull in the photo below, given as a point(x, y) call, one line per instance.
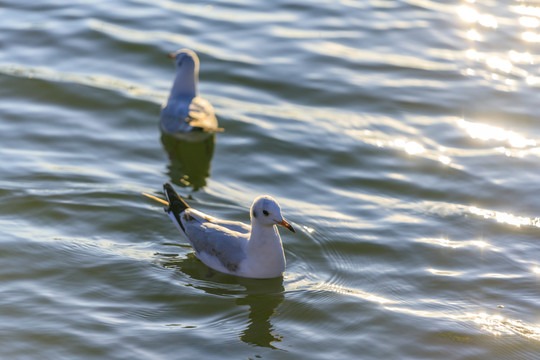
point(232, 247)
point(185, 111)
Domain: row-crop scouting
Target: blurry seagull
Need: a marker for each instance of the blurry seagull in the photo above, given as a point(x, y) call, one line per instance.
point(185, 111)
point(232, 247)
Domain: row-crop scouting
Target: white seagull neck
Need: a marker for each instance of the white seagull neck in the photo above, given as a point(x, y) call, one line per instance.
point(265, 250)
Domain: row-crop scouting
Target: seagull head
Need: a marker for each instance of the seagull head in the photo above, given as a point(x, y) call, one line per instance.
point(266, 211)
point(185, 59)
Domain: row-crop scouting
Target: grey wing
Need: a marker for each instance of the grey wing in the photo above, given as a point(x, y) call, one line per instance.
point(174, 117)
point(212, 241)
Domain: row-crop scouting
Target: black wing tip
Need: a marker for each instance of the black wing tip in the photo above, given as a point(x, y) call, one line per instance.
point(176, 203)
point(168, 188)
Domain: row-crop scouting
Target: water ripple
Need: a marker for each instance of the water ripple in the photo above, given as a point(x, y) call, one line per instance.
point(363, 56)
point(98, 81)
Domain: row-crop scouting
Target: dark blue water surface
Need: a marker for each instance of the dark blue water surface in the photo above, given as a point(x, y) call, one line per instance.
point(400, 137)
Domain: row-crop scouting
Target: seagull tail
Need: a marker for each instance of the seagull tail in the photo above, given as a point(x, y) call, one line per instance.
point(176, 205)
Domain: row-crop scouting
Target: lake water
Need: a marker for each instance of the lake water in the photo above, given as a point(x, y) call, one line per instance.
point(401, 138)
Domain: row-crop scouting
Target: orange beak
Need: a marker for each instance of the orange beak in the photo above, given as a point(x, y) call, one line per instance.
point(286, 225)
point(172, 56)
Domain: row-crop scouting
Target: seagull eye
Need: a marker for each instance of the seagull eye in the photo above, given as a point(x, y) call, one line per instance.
point(265, 213)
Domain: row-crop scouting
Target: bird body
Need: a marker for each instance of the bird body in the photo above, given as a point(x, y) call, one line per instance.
point(232, 247)
point(184, 110)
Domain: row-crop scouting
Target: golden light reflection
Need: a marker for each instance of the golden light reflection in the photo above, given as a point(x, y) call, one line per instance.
point(445, 159)
point(533, 80)
point(505, 69)
point(467, 13)
point(521, 57)
point(308, 229)
point(479, 243)
point(444, 272)
point(474, 35)
point(494, 324)
point(499, 325)
point(364, 295)
point(488, 132)
point(411, 147)
point(505, 218)
point(500, 276)
point(531, 37)
point(527, 10)
point(472, 54)
point(498, 63)
point(529, 21)
point(414, 148)
point(487, 20)
point(470, 15)
point(454, 244)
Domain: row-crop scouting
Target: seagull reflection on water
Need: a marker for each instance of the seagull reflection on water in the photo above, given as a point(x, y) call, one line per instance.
point(262, 296)
point(189, 161)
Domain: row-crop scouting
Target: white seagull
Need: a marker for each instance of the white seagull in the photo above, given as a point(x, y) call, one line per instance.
point(232, 247)
point(185, 111)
